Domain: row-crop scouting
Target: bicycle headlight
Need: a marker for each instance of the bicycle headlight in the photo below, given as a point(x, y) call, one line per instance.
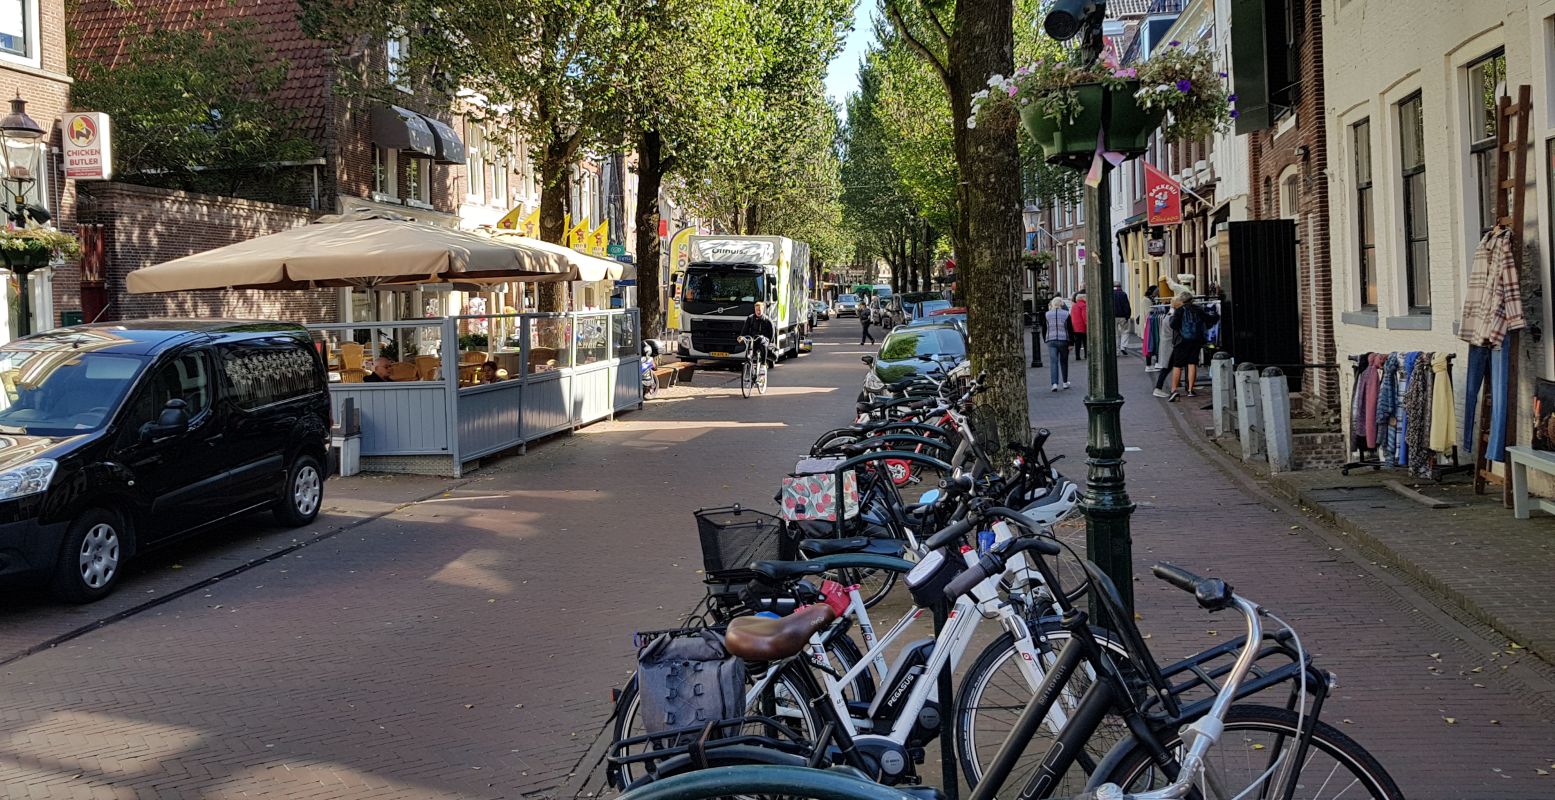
point(30, 478)
point(872, 382)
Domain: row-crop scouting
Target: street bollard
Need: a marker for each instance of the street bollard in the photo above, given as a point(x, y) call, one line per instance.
point(1036, 345)
point(1222, 391)
point(1276, 419)
point(1249, 411)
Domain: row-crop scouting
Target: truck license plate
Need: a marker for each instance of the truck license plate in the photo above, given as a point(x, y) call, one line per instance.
point(717, 353)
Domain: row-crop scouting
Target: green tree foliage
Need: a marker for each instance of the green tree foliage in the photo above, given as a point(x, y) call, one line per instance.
point(195, 109)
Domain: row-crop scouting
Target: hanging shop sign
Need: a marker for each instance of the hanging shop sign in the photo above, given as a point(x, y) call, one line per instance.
point(1163, 198)
point(1155, 247)
point(88, 144)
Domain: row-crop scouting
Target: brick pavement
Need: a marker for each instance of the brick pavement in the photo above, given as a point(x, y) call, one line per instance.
point(1404, 667)
point(465, 646)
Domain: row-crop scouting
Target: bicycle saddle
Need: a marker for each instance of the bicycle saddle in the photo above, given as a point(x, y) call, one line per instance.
point(851, 544)
point(766, 639)
point(779, 571)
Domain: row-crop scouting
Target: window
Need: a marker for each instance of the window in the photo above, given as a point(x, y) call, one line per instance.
point(501, 164)
point(19, 31)
point(418, 180)
point(1365, 214)
point(395, 51)
point(1417, 266)
point(386, 172)
point(1487, 84)
point(1290, 192)
point(185, 378)
point(475, 161)
point(262, 374)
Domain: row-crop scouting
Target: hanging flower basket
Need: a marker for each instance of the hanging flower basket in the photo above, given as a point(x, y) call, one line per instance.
point(1073, 142)
point(27, 249)
point(1066, 104)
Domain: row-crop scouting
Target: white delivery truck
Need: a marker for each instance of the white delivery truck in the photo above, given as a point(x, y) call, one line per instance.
point(724, 277)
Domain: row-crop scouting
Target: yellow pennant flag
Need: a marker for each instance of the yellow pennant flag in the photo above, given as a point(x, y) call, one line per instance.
point(510, 221)
point(600, 239)
point(531, 225)
point(576, 234)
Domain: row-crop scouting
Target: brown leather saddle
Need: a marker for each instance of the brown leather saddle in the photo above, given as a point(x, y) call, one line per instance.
point(767, 639)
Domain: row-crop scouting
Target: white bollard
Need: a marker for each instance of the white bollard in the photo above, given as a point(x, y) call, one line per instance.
point(1249, 412)
point(1276, 419)
point(1222, 391)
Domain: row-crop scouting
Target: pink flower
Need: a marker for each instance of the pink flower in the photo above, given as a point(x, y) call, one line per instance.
point(1124, 73)
point(1013, 90)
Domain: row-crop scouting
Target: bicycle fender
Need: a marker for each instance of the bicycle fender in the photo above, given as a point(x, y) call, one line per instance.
point(864, 561)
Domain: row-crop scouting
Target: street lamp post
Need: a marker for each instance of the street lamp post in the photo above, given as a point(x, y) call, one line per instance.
point(1106, 503)
point(20, 132)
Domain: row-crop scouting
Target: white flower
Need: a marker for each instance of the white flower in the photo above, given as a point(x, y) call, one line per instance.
point(971, 122)
point(996, 79)
point(979, 96)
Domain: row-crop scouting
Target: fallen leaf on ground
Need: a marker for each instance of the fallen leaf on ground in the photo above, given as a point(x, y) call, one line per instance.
point(1451, 720)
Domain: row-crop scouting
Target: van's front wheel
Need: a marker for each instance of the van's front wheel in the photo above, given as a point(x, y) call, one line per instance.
point(92, 558)
point(303, 493)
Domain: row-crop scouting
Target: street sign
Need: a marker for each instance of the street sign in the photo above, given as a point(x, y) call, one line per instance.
point(616, 249)
point(1163, 198)
point(88, 143)
point(1079, 252)
point(1155, 247)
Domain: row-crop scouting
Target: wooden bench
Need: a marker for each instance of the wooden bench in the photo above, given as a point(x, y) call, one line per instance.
point(1518, 460)
point(668, 371)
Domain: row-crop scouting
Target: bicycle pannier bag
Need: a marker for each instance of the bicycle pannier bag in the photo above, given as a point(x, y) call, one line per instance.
point(812, 491)
point(689, 679)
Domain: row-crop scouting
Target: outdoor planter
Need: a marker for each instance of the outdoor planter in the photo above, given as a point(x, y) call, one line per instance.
point(29, 259)
point(1072, 142)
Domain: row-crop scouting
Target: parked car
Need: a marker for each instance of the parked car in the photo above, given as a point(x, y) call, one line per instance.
point(914, 350)
point(126, 436)
point(846, 304)
point(822, 310)
point(911, 301)
point(956, 315)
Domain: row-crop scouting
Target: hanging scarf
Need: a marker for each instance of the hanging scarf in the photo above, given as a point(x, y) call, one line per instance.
point(1387, 408)
point(1443, 437)
point(1406, 371)
point(1417, 404)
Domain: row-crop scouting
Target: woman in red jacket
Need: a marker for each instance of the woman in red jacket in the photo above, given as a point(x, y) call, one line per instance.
point(1077, 326)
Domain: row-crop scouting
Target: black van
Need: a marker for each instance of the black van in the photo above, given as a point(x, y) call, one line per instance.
point(119, 437)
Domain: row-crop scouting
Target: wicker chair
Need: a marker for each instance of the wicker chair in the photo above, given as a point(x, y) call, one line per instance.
point(403, 371)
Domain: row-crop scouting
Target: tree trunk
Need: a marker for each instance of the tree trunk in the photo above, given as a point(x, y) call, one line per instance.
point(553, 212)
point(914, 277)
point(989, 222)
point(650, 176)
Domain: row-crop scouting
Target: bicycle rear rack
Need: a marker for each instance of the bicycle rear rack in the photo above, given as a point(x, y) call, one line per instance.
point(1199, 674)
point(695, 741)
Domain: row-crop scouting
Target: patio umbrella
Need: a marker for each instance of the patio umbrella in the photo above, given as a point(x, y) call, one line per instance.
point(580, 266)
point(361, 249)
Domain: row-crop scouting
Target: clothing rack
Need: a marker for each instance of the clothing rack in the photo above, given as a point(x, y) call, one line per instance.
point(1511, 202)
point(1438, 470)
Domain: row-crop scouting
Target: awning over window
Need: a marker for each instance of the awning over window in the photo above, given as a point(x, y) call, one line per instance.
point(449, 149)
point(404, 130)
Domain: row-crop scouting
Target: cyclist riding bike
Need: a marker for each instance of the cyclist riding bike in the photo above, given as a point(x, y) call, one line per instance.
point(763, 333)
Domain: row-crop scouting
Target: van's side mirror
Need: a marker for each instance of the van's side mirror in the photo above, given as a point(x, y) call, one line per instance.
point(174, 421)
point(868, 360)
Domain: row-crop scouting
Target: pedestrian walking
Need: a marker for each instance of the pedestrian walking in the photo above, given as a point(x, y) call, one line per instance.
point(866, 317)
point(1122, 316)
point(1077, 326)
point(1190, 324)
point(1056, 320)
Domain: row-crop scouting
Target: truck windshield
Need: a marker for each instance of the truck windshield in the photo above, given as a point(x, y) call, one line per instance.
point(711, 291)
point(61, 392)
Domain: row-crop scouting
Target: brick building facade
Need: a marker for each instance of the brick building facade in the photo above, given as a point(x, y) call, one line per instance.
point(1287, 178)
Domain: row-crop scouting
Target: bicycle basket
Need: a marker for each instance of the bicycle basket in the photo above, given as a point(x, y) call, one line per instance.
point(812, 491)
point(733, 538)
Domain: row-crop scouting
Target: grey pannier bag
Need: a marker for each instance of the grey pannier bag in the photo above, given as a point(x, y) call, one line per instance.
point(689, 679)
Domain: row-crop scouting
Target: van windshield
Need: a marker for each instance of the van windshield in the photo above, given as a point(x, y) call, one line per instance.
point(58, 392)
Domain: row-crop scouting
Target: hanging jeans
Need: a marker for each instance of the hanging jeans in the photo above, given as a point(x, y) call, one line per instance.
point(1495, 366)
point(1058, 360)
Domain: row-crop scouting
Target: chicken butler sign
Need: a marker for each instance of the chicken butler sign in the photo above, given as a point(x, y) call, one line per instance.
point(1163, 198)
point(88, 146)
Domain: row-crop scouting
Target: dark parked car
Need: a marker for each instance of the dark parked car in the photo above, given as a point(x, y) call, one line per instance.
point(116, 438)
point(914, 350)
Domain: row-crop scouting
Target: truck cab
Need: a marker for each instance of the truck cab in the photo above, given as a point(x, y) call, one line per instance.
point(725, 277)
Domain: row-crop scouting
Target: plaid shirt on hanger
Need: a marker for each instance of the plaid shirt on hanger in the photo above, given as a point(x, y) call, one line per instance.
point(1494, 303)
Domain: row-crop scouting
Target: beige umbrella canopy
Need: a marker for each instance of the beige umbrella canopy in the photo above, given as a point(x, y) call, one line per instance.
point(360, 249)
point(580, 266)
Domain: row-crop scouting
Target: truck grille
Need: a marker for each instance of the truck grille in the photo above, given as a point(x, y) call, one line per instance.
point(716, 335)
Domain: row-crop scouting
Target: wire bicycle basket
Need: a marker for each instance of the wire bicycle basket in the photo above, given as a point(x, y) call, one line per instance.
point(733, 538)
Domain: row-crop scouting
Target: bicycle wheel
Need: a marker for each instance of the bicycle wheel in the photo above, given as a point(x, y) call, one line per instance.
point(761, 379)
point(873, 584)
point(784, 700)
point(747, 379)
point(767, 781)
point(996, 690)
point(1260, 737)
